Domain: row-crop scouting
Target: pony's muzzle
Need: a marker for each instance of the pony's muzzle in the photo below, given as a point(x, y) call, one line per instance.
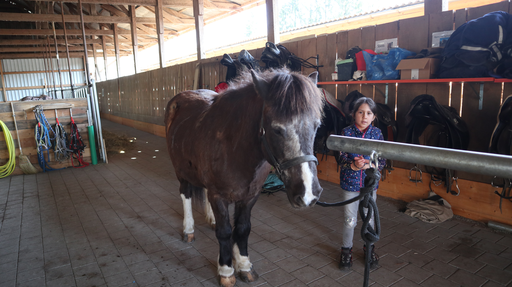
point(306, 201)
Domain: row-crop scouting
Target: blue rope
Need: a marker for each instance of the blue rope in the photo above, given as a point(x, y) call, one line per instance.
point(43, 139)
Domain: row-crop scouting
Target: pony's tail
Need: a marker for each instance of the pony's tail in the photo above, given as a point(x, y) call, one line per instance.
point(170, 114)
point(198, 198)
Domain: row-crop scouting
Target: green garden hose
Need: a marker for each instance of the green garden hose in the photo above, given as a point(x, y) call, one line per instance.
point(8, 168)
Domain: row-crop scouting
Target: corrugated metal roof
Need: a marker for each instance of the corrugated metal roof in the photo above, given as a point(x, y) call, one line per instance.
point(403, 5)
point(17, 74)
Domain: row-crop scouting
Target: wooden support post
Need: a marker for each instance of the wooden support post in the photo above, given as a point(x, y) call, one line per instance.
point(160, 31)
point(435, 6)
point(272, 21)
point(4, 92)
point(198, 16)
point(58, 60)
point(86, 58)
point(103, 44)
point(116, 47)
point(67, 48)
point(133, 28)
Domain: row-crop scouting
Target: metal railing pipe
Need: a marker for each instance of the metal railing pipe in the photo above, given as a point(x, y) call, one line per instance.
point(462, 160)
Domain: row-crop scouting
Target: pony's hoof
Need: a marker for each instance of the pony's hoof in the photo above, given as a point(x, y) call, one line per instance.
point(188, 237)
point(227, 281)
point(213, 226)
point(249, 276)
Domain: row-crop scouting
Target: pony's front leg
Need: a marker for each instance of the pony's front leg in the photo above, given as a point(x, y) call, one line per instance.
point(223, 232)
point(241, 237)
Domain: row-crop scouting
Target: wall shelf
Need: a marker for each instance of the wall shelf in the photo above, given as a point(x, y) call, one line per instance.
point(423, 81)
point(426, 81)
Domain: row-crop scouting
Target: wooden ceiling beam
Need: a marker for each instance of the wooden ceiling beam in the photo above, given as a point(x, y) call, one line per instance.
point(147, 30)
point(221, 6)
point(169, 3)
point(73, 18)
point(113, 10)
point(172, 18)
point(179, 15)
point(59, 32)
point(42, 55)
point(36, 55)
point(38, 49)
point(27, 42)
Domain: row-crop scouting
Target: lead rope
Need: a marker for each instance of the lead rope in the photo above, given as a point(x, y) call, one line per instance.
point(76, 145)
point(369, 235)
point(61, 141)
point(43, 138)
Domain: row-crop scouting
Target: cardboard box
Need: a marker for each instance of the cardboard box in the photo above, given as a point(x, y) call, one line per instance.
point(414, 69)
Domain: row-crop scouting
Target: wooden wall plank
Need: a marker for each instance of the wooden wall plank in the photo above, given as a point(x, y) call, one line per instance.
point(478, 12)
point(368, 37)
point(324, 73)
point(460, 17)
point(292, 47)
point(439, 22)
point(342, 44)
point(307, 48)
point(386, 31)
point(354, 38)
point(413, 34)
point(328, 60)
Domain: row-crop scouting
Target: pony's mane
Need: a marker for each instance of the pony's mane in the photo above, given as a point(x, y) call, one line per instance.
point(290, 93)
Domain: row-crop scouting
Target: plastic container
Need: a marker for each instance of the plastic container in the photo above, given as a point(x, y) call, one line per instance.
point(344, 69)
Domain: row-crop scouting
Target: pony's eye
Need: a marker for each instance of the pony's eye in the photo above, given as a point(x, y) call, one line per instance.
point(279, 131)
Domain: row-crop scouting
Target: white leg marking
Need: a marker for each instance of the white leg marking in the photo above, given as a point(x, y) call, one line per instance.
point(188, 218)
point(307, 177)
point(224, 270)
point(210, 217)
point(242, 263)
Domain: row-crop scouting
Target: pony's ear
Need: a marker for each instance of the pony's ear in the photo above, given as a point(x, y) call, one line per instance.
point(260, 85)
point(314, 77)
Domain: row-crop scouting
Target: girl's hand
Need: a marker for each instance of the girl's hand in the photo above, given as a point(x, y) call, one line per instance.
point(361, 162)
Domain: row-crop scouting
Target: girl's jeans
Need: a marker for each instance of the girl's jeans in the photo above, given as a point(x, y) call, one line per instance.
point(350, 212)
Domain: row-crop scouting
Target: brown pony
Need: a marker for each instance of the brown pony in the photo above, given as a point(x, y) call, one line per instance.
point(223, 145)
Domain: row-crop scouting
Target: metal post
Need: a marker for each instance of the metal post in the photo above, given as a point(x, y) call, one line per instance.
point(97, 122)
point(46, 75)
point(92, 95)
point(468, 161)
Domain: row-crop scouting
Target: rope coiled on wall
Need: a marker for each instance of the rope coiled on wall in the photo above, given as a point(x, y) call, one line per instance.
point(8, 168)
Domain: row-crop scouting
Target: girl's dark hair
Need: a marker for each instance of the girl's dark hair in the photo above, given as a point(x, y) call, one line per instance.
point(364, 100)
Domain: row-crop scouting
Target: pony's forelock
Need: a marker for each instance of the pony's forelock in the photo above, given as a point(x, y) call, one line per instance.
point(291, 94)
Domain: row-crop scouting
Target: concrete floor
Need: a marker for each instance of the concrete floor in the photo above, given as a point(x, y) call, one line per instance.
point(120, 224)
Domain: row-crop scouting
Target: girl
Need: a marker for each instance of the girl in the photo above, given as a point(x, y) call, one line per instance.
point(352, 175)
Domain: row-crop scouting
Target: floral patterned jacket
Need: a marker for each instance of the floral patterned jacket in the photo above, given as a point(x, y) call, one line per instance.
point(353, 180)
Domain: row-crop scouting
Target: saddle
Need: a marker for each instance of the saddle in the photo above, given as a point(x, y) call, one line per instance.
point(501, 142)
point(501, 138)
point(277, 56)
point(424, 110)
point(244, 62)
point(453, 132)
